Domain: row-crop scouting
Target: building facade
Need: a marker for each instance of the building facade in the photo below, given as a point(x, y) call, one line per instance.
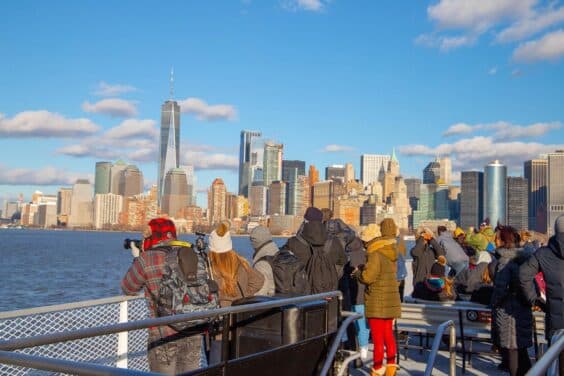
point(371, 166)
point(495, 192)
point(81, 204)
point(250, 158)
point(175, 195)
point(169, 145)
point(555, 188)
point(272, 162)
point(517, 203)
point(277, 198)
point(102, 177)
point(107, 208)
point(217, 198)
point(536, 173)
point(471, 198)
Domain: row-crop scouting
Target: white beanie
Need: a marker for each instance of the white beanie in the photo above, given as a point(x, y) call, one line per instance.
point(220, 244)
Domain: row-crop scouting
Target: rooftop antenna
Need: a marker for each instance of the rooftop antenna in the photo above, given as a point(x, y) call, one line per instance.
point(172, 83)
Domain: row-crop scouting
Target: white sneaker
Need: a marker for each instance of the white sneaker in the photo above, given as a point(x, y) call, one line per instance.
point(364, 353)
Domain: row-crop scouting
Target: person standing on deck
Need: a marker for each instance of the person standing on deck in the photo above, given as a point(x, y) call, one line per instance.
point(381, 297)
point(424, 253)
point(169, 352)
point(456, 258)
point(261, 240)
point(550, 261)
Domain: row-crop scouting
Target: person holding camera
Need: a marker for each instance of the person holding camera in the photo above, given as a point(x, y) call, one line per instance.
point(425, 252)
point(169, 351)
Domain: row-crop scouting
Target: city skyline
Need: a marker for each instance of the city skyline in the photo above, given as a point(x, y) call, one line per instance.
point(328, 81)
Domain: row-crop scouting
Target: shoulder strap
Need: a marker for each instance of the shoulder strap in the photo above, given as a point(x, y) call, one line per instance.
point(264, 258)
point(263, 245)
point(302, 240)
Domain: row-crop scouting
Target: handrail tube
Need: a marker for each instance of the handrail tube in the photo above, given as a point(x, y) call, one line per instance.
point(66, 306)
point(350, 317)
point(436, 344)
point(46, 339)
point(550, 356)
point(65, 366)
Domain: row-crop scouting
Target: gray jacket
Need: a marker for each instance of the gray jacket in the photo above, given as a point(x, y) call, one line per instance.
point(262, 243)
point(453, 251)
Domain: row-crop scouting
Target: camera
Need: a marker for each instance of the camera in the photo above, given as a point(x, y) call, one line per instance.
point(127, 243)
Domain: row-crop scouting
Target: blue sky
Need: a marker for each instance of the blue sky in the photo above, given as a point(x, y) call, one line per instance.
point(82, 82)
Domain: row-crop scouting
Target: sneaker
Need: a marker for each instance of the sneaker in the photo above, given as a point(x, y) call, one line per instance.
point(364, 353)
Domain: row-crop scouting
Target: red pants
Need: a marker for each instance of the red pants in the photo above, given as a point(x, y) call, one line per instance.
point(382, 335)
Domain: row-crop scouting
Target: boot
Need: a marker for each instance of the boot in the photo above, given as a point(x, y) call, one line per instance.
point(378, 372)
point(391, 369)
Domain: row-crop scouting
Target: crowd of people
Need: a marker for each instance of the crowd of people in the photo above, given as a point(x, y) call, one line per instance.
point(499, 267)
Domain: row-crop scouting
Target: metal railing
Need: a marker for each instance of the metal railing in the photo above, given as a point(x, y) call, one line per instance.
point(350, 318)
point(451, 348)
point(549, 361)
point(89, 364)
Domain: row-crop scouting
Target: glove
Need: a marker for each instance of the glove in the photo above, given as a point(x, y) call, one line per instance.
point(134, 250)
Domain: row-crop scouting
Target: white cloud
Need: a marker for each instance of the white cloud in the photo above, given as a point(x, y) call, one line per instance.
point(44, 176)
point(114, 107)
point(45, 124)
point(503, 130)
point(527, 27)
point(210, 161)
point(445, 43)
point(333, 148)
point(307, 5)
point(548, 47)
point(204, 111)
point(492, 71)
point(133, 128)
point(477, 15)
point(477, 151)
point(108, 90)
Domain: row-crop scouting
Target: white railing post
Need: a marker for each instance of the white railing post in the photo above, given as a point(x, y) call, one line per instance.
point(122, 346)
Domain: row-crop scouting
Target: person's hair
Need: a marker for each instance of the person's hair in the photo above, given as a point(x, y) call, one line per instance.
point(486, 278)
point(507, 236)
point(449, 287)
point(226, 265)
point(441, 229)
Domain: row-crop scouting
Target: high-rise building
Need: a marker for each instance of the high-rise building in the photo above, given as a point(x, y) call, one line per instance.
point(445, 173)
point(131, 181)
point(413, 188)
point(471, 198)
point(292, 168)
point(116, 176)
point(495, 192)
point(277, 198)
point(454, 203)
point(517, 203)
point(368, 211)
point(249, 160)
point(10, 208)
point(303, 198)
point(107, 208)
point(272, 162)
point(81, 204)
point(335, 172)
point(64, 198)
point(290, 177)
point(371, 166)
point(257, 199)
point(432, 172)
point(175, 194)
point(433, 203)
point(191, 181)
point(169, 145)
point(217, 195)
point(323, 194)
point(349, 172)
point(103, 177)
point(46, 215)
point(536, 173)
point(555, 188)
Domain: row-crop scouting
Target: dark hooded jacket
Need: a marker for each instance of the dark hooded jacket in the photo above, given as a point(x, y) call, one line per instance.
point(550, 261)
point(314, 234)
point(511, 313)
point(424, 255)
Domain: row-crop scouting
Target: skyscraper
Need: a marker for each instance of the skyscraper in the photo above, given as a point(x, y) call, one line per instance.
point(191, 181)
point(555, 188)
point(370, 167)
point(517, 203)
point(289, 166)
point(131, 181)
point(495, 192)
point(257, 199)
point(81, 204)
point(471, 198)
point(277, 198)
point(249, 160)
point(169, 145)
point(216, 201)
point(536, 173)
point(445, 173)
point(106, 209)
point(116, 175)
point(175, 195)
point(335, 172)
point(272, 164)
point(102, 178)
point(432, 172)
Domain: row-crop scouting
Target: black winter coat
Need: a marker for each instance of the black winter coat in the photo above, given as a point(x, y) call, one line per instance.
point(550, 261)
point(424, 255)
point(352, 287)
point(512, 317)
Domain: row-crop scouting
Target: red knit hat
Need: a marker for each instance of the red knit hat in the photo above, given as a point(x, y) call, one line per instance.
point(162, 229)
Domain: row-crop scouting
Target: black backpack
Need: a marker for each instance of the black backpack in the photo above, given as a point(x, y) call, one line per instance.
point(321, 273)
point(186, 284)
point(289, 273)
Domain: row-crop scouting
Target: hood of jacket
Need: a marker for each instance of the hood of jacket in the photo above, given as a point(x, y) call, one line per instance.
point(385, 246)
point(556, 243)
point(517, 254)
point(314, 233)
point(259, 236)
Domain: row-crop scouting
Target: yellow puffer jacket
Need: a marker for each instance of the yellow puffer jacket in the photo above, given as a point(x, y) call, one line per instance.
point(381, 298)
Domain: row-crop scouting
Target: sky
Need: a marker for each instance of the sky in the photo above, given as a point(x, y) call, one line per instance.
point(82, 82)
